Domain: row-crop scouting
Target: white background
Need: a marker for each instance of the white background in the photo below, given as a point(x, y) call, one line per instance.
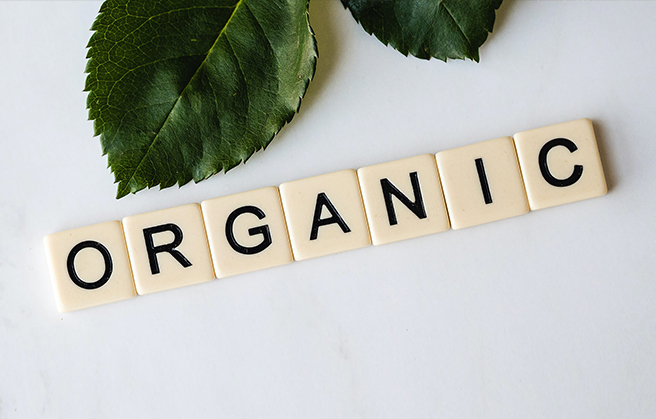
point(547, 315)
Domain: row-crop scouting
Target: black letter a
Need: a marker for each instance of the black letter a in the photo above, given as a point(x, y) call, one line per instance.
point(323, 201)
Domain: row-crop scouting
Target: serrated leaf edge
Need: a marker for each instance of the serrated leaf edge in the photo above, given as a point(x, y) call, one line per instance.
point(127, 189)
point(474, 57)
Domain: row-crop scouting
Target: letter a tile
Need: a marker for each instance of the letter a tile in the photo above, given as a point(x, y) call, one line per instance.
point(168, 249)
point(482, 182)
point(325, 214)
point(560, 164)
point(403, 199)
point(89, 266)
point(247, 232)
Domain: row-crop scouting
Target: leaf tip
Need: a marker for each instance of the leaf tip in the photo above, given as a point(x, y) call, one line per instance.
point(121, 193)
point(126, 188)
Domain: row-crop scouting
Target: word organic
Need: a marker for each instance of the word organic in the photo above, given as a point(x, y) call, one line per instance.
point(325, 214)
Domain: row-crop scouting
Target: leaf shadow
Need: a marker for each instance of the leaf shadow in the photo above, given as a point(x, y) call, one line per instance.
point(501, 16)
point(323, 19)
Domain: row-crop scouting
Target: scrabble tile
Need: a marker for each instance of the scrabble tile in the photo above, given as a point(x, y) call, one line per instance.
point(247, 232)
point(89, 266)
point(403, 199)
point(324, 214)
point(482, 183)
point(560, 164)
point(168, 249)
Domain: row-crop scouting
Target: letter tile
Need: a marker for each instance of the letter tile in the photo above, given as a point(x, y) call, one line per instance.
point(403, 199)
point(168, 249)
point(325, 214)
point(247, 232)
point(89, 266)
point(482, 183)
point(560, 164)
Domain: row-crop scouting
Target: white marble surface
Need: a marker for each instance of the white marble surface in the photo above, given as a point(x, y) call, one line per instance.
point(547, 315)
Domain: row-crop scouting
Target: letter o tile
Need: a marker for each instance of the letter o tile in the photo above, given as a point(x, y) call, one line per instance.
point(89, 266)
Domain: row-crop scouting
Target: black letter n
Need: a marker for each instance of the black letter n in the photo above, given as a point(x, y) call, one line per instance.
point(417, 207)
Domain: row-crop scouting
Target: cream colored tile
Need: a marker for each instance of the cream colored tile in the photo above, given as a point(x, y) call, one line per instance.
point(89, 266)
point(560, 164)
point(403, 199)
point(247, 232)
point(482, 183)
point(325, 214)
point(168, 249)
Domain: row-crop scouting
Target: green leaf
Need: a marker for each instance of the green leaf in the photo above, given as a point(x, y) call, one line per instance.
point(428, 28)
point(182, 89)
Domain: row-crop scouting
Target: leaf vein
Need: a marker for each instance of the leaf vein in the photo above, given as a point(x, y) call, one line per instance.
point(442, 4)
point(223, 31)
point(149, 18)
point(263, 31)
point(243, 75)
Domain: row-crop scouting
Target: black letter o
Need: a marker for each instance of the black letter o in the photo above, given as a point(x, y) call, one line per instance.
point(70, 264)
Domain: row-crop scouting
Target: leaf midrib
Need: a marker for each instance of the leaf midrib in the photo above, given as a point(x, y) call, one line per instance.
point(443, 4)
point(128, 181)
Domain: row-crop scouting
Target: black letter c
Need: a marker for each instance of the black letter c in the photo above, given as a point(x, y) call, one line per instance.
point(544, 167)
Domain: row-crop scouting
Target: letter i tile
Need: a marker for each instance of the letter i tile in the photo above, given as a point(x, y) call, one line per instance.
point(482, 182)
point(325, 214)
point(89, 266)
point(168, 249)
point(560, 164)
point(403, 199)
point(247, 232)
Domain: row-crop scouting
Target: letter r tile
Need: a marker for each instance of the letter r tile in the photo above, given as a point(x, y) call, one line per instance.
point(168, 249)
point(560, 164)
point(403, 199)
point(247, 232)
point(325, 214)
point(89, 266)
